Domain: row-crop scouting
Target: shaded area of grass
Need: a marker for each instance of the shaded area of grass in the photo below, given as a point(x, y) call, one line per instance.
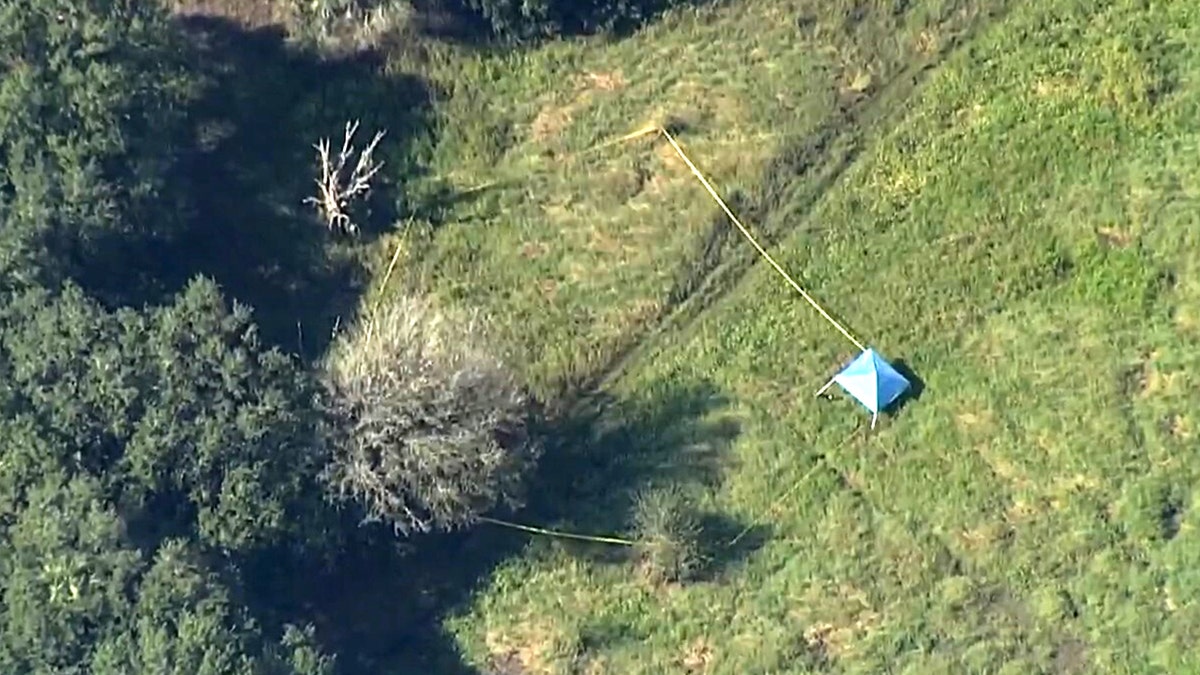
point(246, 171)
point(516, 22)
point(601, 450)
point(268, 104)
point(380, 601)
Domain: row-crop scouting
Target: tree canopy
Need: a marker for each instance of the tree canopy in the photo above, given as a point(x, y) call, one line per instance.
point(92, 100)
point(141, 449)
point(134, 443)
point(154, 458)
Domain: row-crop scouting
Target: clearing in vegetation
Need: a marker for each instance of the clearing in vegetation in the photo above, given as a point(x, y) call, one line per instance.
point(1000, 194)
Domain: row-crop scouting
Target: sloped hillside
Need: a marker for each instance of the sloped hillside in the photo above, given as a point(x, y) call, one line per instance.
point(998, 194)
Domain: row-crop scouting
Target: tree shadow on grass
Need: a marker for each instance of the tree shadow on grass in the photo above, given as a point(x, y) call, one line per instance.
point(602, 452)
point(245, 174)
point(730, 542)
point(253, 232)
point(436, 202)
point(381, 604)
point(512, 23)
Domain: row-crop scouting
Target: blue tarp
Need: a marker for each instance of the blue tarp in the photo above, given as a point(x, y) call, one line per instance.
point(872, 381)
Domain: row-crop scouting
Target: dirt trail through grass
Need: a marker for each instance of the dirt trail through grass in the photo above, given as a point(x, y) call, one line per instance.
point(587, 263)
point(793, 181)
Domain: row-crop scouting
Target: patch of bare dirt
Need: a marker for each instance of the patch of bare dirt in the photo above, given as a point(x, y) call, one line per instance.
point(1070, 657)
point(1114, 237)
point(532, 250)
point(828, 640)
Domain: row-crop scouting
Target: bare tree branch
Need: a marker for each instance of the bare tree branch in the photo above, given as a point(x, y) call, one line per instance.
point(335, 189)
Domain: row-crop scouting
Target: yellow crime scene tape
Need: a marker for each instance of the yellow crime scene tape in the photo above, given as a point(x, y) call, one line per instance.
point(712, 192)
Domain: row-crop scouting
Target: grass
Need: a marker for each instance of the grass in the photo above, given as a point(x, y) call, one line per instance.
point(581, 255)
point(1002, 195)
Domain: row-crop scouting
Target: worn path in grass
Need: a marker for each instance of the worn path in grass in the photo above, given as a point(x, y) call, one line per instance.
point(813, 163)
point(587, 257)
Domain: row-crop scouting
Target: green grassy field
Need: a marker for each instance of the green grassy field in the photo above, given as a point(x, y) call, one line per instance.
point(1001, 195)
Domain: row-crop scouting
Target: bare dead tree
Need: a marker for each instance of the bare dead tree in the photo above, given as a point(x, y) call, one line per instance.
point(335, 188)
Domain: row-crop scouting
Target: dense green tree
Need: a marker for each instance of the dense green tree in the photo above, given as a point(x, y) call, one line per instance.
point(91, 112)
point(76, 597)
point(228, 423)
point(68, 567)
point(185, 621)
point(179, 410)
point(25, 458)
point(64, 362)
point(138, 451)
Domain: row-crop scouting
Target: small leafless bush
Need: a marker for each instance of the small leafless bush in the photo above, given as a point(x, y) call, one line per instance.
point(335, 187)
point(429, 429)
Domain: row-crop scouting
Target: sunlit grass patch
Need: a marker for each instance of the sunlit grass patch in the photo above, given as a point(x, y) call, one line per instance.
point(616, 228)
point(1020, 232)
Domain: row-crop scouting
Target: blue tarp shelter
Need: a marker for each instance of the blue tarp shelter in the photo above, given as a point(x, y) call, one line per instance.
point(872, 381)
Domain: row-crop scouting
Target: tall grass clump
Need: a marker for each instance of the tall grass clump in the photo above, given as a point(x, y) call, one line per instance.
point(428, 429)
point(668, 533)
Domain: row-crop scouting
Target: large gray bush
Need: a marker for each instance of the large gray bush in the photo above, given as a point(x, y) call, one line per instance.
point(429, 429)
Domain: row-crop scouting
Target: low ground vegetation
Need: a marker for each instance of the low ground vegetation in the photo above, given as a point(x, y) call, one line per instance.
point(995, 194)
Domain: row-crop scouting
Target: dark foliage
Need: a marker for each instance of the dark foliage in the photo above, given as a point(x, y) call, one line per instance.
point(189, 423)
point(527, 20)
point(127, 431)
point(68, 602)
point(92, 95)
point(252, 165)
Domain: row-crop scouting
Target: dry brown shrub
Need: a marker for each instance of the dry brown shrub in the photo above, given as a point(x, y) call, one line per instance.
point(428, 429)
